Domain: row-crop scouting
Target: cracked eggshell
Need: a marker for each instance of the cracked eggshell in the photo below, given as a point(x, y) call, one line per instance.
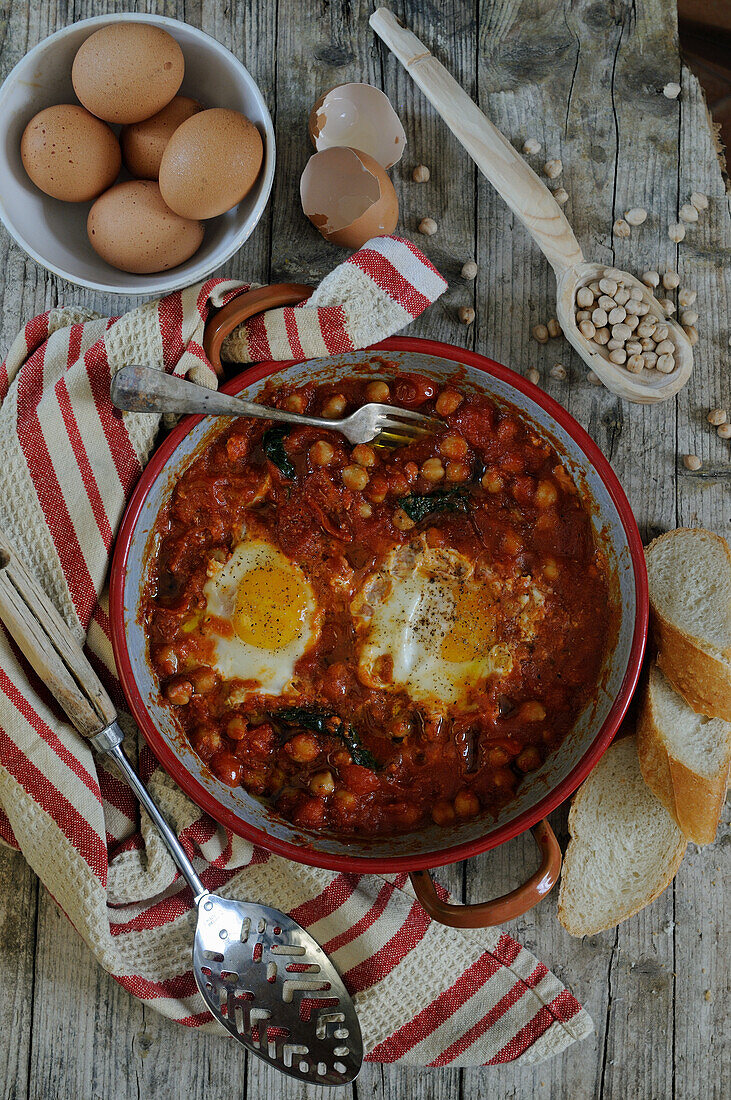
point(358, 116)
point(347, 195)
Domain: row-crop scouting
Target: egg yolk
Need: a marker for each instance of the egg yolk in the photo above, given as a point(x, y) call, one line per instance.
point(271, 607)
point(471, 629)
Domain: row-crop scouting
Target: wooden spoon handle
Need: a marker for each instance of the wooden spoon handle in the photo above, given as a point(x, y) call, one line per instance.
point(49, 646)
point(493, 154)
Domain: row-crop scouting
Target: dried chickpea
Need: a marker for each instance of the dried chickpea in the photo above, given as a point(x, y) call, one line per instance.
point(401, 521)
point(723, 431)
point(432, 469)
point(554, 329)
point(453, 446)
point(322, 453)
point(466, 804)
point(448, 402)
point(540, 333)
point(717, 416)
point(692, 462)
point(354, 477)
point(364, 455)
point(377, 391)
point(334, 406)
point(466, 314)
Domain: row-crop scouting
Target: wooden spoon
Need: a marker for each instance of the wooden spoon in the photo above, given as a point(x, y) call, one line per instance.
point(536, 207)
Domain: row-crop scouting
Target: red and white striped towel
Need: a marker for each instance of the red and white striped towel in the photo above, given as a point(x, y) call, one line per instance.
point(426, 995)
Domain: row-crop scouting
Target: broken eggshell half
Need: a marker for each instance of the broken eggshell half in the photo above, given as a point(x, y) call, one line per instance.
point(347, 195)
point(358, 116)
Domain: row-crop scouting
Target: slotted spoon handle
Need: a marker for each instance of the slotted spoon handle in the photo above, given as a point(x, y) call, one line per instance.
point(53, 652)
point(491, 151)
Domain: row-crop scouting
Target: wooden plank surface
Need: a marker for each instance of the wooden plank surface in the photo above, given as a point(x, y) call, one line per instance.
point(586, 80)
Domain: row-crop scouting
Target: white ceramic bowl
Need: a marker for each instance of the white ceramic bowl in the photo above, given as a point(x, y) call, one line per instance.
point(54, 232)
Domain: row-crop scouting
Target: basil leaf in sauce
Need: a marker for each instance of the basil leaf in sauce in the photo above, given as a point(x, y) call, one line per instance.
point(329, 724)
point(272, 443)
point(417, 506)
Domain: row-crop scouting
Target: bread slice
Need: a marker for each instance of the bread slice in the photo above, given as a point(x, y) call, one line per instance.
point(624, 850)
point(689, 571)
point(684, 758)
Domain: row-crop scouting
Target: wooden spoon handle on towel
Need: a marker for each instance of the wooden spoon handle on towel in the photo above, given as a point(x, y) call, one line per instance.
point(49, 645)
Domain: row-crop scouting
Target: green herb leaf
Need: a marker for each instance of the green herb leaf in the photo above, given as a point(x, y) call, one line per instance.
point(273, 446)
point(417, 506)
point(329, 724)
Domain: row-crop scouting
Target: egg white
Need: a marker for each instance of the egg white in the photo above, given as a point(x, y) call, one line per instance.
point(430, 625)
point(262, 615)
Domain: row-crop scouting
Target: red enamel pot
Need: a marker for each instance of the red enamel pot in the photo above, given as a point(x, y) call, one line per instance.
point(541, 791)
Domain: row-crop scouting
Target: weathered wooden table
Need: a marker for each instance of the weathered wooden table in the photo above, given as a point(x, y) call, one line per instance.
point(585, 78)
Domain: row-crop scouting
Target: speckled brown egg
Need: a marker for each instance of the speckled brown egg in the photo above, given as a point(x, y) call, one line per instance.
point(126, 72)
point(69, 153)
point(131, 228)
point(143, 143)
point(210, 163)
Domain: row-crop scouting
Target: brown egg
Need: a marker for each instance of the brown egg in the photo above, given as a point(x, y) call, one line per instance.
point(69, 153)
point(347, 196)
point(210, 163)
point(143, 143)
point(131, 228)
point(126, 72)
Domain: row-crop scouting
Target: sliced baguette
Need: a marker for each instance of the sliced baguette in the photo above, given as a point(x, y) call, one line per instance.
point(684, 758)
point(624, 850)
point(689, 573)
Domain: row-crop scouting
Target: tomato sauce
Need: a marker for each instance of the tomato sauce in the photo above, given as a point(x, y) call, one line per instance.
point(342, 752)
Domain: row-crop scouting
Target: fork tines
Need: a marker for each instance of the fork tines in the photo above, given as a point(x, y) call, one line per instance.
point(402, 426)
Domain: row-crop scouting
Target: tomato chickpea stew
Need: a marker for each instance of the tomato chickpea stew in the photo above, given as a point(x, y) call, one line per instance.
point(368, 640)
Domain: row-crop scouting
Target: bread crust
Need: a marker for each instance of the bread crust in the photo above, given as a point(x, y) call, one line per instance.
point(702, 679)
point(565, 912)
point(694, 801)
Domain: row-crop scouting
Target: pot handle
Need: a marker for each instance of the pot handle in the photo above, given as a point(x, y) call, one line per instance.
point(487, 913)
point(244, 306)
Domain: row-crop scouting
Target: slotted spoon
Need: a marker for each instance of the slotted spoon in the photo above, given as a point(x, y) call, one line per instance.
point(143, 389)
point(260, 973)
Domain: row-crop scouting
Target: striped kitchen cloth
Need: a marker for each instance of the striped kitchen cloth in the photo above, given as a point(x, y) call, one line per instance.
point(426, 995)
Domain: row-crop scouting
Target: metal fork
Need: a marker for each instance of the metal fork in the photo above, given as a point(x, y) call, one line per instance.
point(144, 389)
